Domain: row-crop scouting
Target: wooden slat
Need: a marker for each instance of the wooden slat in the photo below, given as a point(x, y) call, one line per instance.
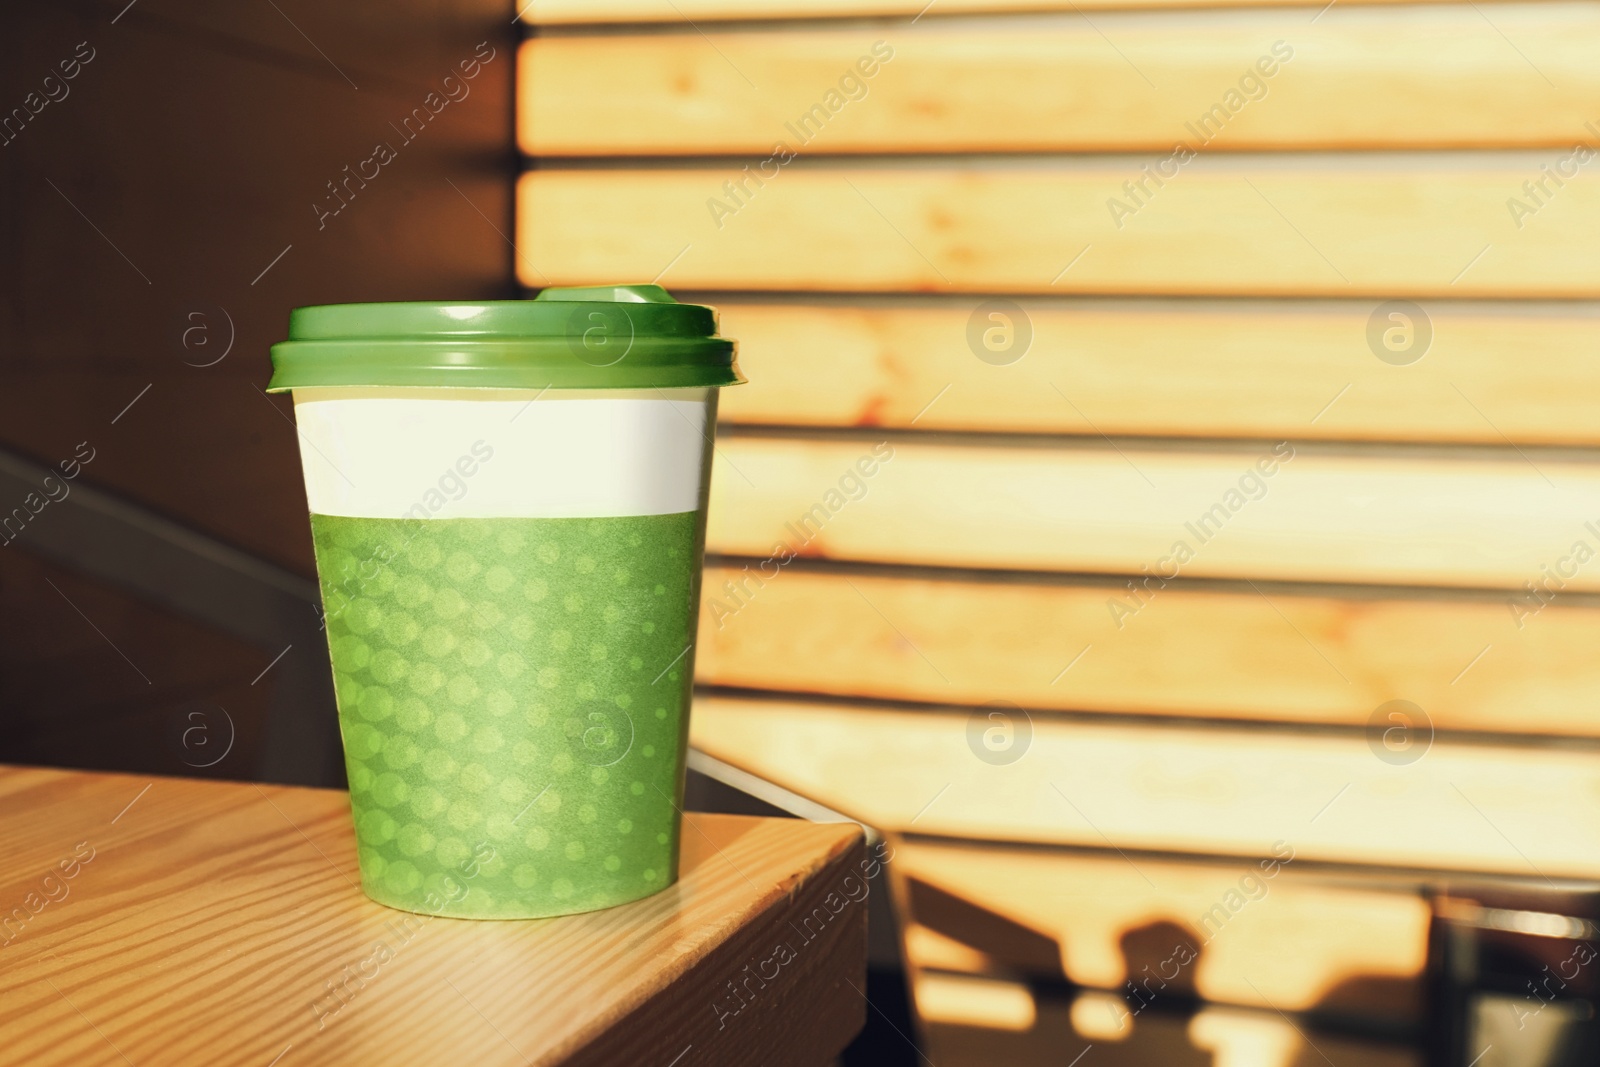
point(1521, 811)
point(1312, 945)
point(1485, 522)
point(955, 1035)
point(568, 12)
point(1312, 226)
point(1219, 370)
point(1310, 658)
point(1356, 79)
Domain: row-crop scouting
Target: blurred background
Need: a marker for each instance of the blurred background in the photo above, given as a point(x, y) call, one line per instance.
point(1164, 508)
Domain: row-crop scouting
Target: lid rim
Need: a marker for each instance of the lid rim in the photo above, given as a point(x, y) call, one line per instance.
point(598, 337)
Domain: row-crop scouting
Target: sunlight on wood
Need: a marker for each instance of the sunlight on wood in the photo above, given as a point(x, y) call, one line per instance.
point(1257, 511)
point(1213, 1037)
point(1354, 80)
point(1209, 789)
point(559, 12)
point(932, 950)
point(1100, 1016)
point(1508, 664)
point(236, 909)
point(982, 1002)
point(1378, 226)
point(1312, 941)
point(1034, 423)
point(1238, 1039)
point(1090, 367)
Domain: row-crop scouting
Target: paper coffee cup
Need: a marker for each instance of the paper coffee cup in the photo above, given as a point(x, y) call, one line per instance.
point(508, 511)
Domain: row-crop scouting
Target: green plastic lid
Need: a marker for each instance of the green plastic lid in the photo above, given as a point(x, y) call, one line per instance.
point(593, 337)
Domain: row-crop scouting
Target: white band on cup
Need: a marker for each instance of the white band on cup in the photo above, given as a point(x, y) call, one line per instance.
point(492, 453)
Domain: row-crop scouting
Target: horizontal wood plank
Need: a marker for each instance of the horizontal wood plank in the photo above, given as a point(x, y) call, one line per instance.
point(960, 1027)
point(1343, 949)
point(1161, 368)
point(1316, 517)
point(570, 12)
point(1307, 226)
point(1222, 791)
point(1354, 79)
point(1207, 653)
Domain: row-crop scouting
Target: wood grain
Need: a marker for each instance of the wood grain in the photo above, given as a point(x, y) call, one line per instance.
point(1224, 369)
point(1319, 516)
point(1355, 79)
point(232, 908)
point(1198, 790)
point(569, 12)
point(1314, 943)
point(1308, 658)
point(1385, 226)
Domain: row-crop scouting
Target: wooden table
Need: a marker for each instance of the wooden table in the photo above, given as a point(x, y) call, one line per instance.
point(167, 921)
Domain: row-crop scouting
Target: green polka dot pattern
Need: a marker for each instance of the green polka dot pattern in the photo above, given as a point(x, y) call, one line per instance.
point(512, 696)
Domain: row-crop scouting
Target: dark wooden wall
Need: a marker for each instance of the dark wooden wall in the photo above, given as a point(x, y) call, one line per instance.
point(159, 207)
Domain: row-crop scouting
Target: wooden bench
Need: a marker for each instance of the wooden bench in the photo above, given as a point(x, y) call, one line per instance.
point(1379, 502)
point(179, 921)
